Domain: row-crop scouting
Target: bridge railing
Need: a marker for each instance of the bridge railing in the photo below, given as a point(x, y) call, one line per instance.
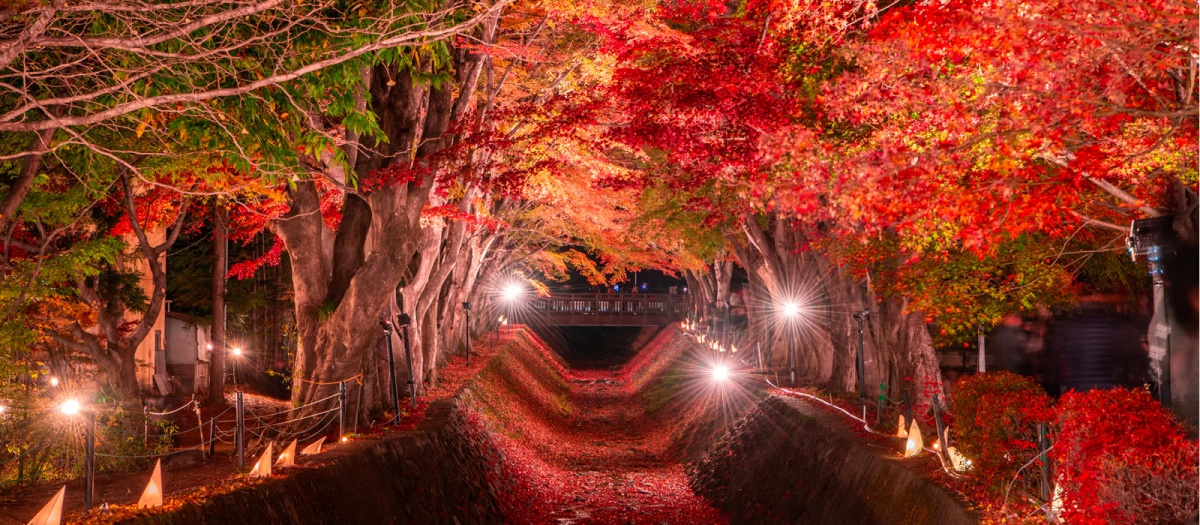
point(632, 309)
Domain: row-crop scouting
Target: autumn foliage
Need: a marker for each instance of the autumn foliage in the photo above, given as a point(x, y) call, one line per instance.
point(996, 418)
point(1122, 459)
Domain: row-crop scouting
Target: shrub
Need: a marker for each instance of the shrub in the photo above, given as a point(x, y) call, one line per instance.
point(1123, 459)
point(996, 416)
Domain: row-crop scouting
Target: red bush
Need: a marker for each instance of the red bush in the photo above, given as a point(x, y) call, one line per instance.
point(996, 416)
point(1123, 459)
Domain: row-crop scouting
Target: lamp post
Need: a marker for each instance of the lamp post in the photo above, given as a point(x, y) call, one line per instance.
point(791, 310)
point(467, 328)
point(512, 292)
point(404, 320)
point(72, 407)
point(387, 334)
point(861, 317)
point(237, 353)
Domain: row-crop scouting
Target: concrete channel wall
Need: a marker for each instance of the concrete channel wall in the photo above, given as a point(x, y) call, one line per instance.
point(440, 473)
point(787, 462)
point(783, 462)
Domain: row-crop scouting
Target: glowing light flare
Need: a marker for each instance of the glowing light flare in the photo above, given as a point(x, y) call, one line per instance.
point(237, 350)
point(720, 373)
point(70, 407)
point(791, 309)
point(53, 381)
point(345, 439)
point(512, 292)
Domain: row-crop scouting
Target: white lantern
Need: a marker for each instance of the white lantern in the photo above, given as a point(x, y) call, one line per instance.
point(914, 444)
point(153, 495)
point(288, 458)
point(262, 468)
point(51, 514)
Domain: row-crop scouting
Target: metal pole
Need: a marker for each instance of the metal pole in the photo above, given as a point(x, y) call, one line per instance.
point(982, 351)
point(240, 437)
point(90, 462)
point(212, 436)
point(792, 354)
point(467, 329)
point(1043, 444)
point(412, 384)
point(941, 428)
point(387, 334)
point(862, 366)
point(342, 409)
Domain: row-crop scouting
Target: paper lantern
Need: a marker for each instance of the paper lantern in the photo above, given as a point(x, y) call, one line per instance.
point(51, 514)
point(314, 448)
point(288, 458)
point(901, 430)
point(152, 496)
point(262, 468)
point(957, 460)
point(914, 444)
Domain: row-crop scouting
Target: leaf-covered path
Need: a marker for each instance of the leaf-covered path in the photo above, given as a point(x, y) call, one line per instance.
point(622, 467)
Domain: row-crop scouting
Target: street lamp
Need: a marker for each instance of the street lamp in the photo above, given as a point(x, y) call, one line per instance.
point(237, 352)
point(72, 407)
point(387, 334)
point(861, 317)
point(404, 320)
point(791, 311)
point(467, 328)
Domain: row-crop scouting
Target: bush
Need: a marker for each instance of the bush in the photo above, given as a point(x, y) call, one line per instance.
point(1123, 459)
point(996, 416)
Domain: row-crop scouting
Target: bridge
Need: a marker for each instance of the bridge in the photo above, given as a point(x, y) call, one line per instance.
point(609, 309)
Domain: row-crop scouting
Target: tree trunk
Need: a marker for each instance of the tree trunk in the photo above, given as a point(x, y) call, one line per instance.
point(216, 356)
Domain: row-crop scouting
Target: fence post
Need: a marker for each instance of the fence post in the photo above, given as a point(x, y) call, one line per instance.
point(341, 409)
point(240, 437)
point(1043, 444)
point(145, 426)
point(212, 437)
point(941, 429)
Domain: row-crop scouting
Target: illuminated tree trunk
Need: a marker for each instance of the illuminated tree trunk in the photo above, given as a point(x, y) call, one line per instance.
point(897, 344)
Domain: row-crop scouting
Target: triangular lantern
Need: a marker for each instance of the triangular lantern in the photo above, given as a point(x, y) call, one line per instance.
point(957, 460)
point(313, 448)
point(914, 444)
point(288, 458)
point(262, 468)
point(51, 514)
point(901, 430)
point(153, 495)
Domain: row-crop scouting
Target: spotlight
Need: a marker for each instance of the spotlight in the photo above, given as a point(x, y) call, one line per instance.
point(512, 292)
point(69, 407)
point(791, 309)
point(720, 373)
point(237, 350)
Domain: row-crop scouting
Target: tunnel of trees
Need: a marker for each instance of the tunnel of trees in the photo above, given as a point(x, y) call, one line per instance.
point(323, 166)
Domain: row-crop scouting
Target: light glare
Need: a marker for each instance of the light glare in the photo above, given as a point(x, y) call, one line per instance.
point(791, 309)
point(70, 407)
point(511, 292)
point(720, 372)
point(237, 351)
